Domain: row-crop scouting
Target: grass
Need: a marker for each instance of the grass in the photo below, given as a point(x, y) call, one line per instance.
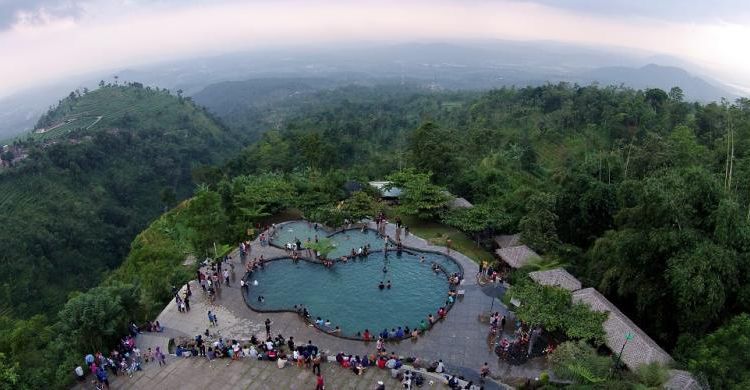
point(437, 233)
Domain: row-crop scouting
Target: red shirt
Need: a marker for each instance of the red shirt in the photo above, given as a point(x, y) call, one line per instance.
point(320, 380)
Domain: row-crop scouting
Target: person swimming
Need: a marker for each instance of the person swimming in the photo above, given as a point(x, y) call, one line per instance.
point(381, 285)
point(388, 286)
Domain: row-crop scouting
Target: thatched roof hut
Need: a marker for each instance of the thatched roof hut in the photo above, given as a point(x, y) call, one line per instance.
point(459, 203)
point(516, 256)
point(557, 277)
point(641, 349)
point(507, 241)
point(682, 380)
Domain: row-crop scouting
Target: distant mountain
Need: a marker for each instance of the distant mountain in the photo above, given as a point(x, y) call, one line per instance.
point(474, 65)
point(71, 208)
point(229, 96)
point(656, 76)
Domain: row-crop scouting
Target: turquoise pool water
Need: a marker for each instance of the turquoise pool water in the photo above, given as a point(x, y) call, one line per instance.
point(348, 293)
point(343, 241)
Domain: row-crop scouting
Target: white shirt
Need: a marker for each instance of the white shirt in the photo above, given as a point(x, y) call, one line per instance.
point(79, 371)
point(440, 367)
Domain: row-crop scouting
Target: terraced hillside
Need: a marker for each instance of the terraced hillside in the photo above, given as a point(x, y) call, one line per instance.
point(70, 210)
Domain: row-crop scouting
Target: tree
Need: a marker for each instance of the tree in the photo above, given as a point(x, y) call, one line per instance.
point(206, 216)
point(721, 357)
point(259, 196)
point(701, 279)
point(95, 319)
point(478, 219)
point(7, 157)
point(537, 227)
point(323, 247)
point(359, 206)
point(552, 309)
point(578, 362)
point(419, 196)
point(676, 94)
point(167, 197)
point(9, 373)
point(432, 150)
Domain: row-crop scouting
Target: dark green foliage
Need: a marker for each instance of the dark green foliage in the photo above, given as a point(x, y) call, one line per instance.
point(537, 227)
point(579, 362)
point(722, 356)
point(636, 191)
point(551, 308)
point(419, 196)
point(73, 207)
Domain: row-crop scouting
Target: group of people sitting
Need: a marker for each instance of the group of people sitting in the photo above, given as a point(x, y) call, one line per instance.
point(124, 359)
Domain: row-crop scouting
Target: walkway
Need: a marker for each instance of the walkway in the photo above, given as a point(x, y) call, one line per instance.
point(199, 374)
point(460, 340)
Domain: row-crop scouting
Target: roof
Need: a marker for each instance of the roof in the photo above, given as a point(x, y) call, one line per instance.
point(556, 277)
point(353, 186)
point(516, 256)
point(459, 203)
point(394, 192)
point(682, 380)
point(641, 349)
point(508, 240)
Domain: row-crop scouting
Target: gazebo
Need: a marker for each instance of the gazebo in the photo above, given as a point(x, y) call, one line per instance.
point(640, 348)
point(682, 380)
point(557, 277)
point(459, 203)
point(516, 256)
point(506, 241)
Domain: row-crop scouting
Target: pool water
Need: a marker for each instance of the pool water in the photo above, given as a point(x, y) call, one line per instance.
point(348, 294)
point(343, 241)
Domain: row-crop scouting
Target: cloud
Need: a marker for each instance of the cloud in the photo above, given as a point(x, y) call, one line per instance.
point(682, 11)
point(120, 33)
point(36, 11)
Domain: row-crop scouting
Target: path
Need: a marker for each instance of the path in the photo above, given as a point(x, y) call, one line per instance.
point(460, 340)
point(98, 118)
point(199, 374)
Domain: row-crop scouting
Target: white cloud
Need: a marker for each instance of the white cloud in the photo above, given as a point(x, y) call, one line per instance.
point(122, 33)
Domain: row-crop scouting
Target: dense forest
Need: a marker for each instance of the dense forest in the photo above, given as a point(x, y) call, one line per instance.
point(641, 194)
point(71, 208)
point(638, 193)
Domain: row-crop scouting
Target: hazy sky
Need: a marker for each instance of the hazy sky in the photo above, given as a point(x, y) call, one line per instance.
point(43, 40)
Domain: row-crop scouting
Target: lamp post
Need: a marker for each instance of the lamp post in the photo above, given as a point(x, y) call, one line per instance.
point(628, 337)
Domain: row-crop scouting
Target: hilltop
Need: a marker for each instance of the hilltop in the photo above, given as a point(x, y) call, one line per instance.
point(107, 162)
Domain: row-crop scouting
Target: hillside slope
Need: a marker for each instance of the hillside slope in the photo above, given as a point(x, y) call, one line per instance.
point(71, 209)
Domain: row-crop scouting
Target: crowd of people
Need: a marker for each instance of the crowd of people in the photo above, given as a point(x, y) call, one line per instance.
point(125, 358)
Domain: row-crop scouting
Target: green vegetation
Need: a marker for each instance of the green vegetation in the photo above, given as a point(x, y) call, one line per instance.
point(551, 308)
point(722, 356)
point(642, 195)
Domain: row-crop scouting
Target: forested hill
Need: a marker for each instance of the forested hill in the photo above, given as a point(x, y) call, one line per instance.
point(640, 194)
point(115, 158)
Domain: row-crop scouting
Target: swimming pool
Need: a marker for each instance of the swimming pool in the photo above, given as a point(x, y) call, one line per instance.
point(343, 241)
point(348, 294)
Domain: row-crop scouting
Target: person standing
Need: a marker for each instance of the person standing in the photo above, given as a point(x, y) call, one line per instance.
point(484, 371)
point(268, 327)
point(320, 384)
point(79, 373)
point(316, 364)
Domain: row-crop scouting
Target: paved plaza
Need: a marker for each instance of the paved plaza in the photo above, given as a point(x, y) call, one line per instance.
point(460, 340)
point(199, 374)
